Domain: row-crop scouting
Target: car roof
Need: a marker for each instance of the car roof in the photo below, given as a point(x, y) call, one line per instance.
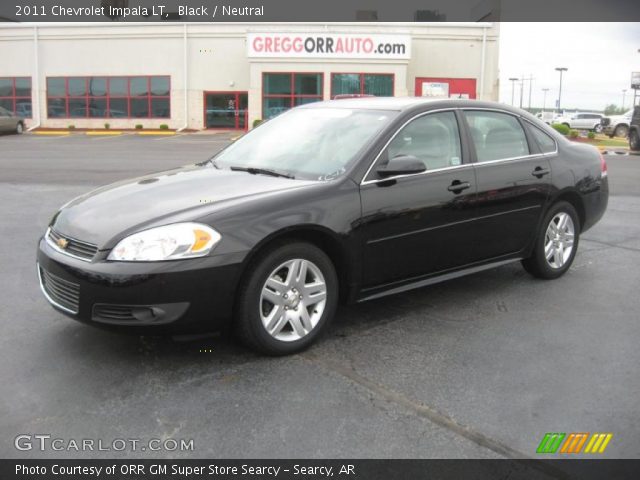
point(409, 103)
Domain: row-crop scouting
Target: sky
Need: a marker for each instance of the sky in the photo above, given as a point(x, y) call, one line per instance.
point(600, 58)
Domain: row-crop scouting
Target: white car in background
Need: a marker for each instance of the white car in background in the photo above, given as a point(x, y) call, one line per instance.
point(582, 121)
point(617, 125)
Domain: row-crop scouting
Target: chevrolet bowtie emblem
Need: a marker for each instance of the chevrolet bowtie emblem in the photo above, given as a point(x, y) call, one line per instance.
point(62, 243)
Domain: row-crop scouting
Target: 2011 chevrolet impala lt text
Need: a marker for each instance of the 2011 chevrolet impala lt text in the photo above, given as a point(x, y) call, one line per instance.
point(346, 200)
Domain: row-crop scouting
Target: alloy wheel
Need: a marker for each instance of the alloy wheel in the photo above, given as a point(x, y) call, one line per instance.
point(558, 240)
point(292, 300)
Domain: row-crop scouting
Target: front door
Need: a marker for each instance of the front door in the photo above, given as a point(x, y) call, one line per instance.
point(226, 110)
point(414, 225)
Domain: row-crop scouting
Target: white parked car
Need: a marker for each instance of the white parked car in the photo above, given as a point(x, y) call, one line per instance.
point(617, 125)
point(582, 121)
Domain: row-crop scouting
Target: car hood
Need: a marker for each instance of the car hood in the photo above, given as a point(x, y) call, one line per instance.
point(182, 194)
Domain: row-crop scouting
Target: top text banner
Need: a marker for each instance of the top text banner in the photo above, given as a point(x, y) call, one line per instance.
point(331, 45)
point(31, 11)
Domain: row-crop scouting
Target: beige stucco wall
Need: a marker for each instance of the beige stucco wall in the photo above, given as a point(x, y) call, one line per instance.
point(217, 60)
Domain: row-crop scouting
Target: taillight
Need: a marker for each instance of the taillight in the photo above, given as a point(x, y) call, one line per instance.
point(603, 166)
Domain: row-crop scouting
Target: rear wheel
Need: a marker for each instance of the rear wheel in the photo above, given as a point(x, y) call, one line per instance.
point(556, 244)
point(634, 140)
point(287, 300)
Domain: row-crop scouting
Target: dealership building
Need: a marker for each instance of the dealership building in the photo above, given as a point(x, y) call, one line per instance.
point(227, 75)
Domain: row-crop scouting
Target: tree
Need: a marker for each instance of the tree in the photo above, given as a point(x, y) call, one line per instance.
point(613, 109)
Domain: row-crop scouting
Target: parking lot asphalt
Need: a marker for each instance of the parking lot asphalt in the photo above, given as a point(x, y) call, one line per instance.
point(478, 367)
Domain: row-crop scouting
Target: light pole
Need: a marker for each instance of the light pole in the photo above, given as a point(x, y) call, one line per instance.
point(560, 69)
point(624, 93)
point(521, 89)
point(513, 86)
point(544, 99)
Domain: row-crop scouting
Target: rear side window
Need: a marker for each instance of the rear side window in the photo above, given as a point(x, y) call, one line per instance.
point(496, 136)
point(434, 139)
point(545, 142)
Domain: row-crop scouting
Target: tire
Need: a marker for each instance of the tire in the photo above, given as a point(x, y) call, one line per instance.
point(634, 140)
point(538, 263)
point(269, 311)
point(621, 131)
point(598, 128)
point(19, 128)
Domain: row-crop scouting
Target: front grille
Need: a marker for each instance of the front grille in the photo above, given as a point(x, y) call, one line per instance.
point(73, 247)
point(605, 121)
point(62, 293)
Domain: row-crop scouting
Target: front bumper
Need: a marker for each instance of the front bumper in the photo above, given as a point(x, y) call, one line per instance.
point(171, 297)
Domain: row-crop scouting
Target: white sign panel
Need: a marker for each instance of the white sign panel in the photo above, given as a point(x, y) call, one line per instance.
point(328, 45)
point(635, 80)
point(435, 89)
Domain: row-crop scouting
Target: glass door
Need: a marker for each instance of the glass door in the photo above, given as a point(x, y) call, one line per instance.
point(226, 110)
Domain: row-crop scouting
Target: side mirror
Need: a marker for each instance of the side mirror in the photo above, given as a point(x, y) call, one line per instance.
point(402, 165)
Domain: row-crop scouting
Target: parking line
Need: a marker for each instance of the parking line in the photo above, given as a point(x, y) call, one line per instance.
point(51, 132)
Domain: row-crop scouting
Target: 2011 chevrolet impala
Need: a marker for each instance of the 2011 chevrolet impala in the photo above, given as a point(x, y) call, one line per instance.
point(342, 200)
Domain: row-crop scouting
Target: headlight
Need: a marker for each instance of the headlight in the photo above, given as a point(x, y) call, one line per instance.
point(171, 242)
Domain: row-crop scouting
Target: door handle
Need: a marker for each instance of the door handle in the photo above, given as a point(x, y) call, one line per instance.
point(457, 186)
point(540, 172)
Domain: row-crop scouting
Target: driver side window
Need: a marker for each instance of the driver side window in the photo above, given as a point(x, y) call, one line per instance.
point(434, 139)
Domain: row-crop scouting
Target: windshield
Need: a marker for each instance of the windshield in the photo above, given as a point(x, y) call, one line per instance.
point(309, 143)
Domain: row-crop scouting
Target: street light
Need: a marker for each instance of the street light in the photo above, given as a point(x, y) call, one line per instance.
point(560, 69)
point(544, 99)
point(624, 93)
point(513, 85)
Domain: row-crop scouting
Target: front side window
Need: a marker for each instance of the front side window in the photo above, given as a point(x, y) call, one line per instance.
point(496, 136)
point(282, 91)
point(15, 95)
point(320, 142)
point(433, 139)
point(108, 97)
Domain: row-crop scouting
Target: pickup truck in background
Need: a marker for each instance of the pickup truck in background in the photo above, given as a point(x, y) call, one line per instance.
point(617, 125)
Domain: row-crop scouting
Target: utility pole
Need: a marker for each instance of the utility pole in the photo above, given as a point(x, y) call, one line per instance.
point(513, 86)
point(544, 99)
point(521, 89)
point(624, 93)
point(560, 69)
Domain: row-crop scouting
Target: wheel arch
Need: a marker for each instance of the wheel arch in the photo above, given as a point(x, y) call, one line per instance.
point(323, 238)
point(573, 198)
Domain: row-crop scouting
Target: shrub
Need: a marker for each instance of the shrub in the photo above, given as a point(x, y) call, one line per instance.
point(574, 133)
point(257, 122)
point(591, 135)
point(138, 126)
point(71, 127)
point(562, 129)
point(164, 126)
point(107, 126)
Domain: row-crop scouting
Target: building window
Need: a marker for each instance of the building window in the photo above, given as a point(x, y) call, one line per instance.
point(379, 85)
point(282, 91)
point(15, 95)
point(109, 97)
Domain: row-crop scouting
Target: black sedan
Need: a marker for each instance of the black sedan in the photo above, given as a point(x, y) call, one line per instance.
point(346, 200)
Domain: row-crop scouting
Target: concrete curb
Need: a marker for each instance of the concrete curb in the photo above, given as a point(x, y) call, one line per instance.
point(156, 133)
point(51, 132)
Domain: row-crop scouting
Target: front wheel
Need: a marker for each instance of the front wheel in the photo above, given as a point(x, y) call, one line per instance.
point(597, 128)
point(19, 128)
point(621, 131)
point(288, 299)
point(556, 244)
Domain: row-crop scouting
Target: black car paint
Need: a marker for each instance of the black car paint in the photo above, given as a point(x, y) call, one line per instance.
point(384, 237)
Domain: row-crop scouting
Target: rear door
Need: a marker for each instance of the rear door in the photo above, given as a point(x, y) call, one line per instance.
point(514, 180)
point(6, 119)
point(416, 224)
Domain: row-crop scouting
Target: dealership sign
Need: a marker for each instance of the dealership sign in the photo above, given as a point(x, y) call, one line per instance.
point(329, 45)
